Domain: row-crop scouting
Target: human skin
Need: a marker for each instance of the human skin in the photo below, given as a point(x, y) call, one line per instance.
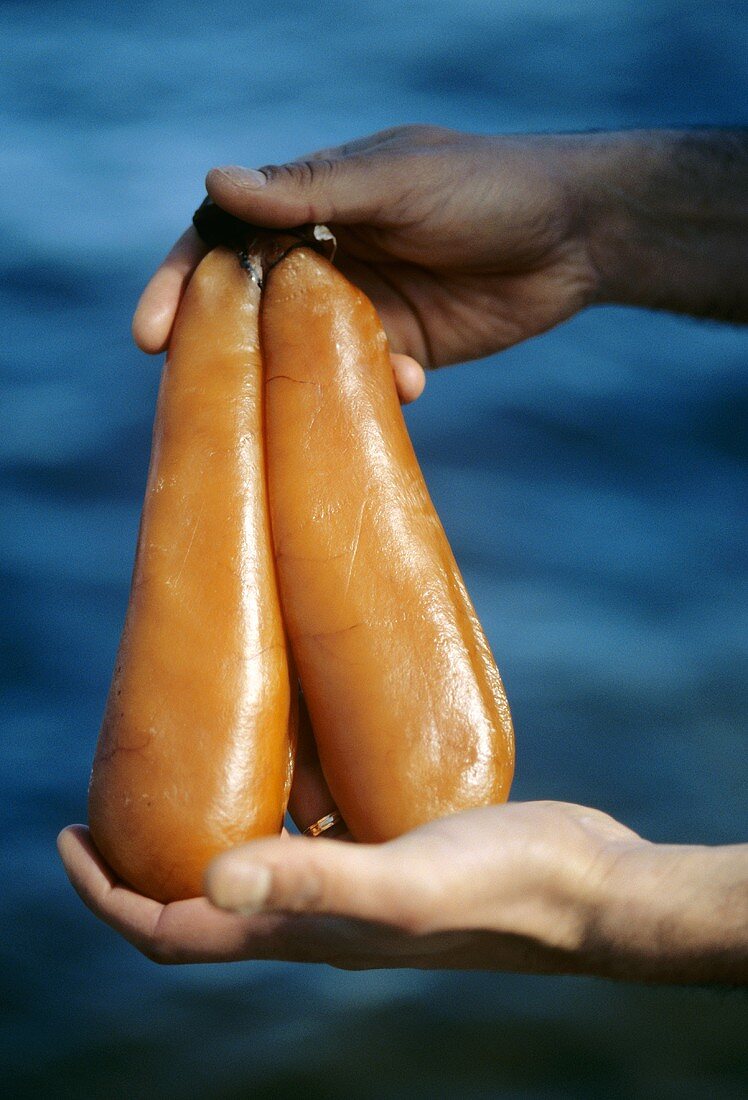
point(534, 887)
point(466, 245)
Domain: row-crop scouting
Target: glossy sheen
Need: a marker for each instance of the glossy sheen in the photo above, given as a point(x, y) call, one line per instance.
point(407, 705)
point(195, 753)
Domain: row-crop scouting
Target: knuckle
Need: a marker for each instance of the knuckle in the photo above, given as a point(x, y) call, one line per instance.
point(157, 954)
point(160, 951)
point(415, 919)
point(303, 890)
point(302, 173)
point(424, 133)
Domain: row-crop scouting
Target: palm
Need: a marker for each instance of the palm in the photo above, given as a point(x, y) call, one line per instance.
point(446, 317)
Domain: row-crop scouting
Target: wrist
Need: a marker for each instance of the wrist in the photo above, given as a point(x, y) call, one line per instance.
point(586, 170)
point(663, 218)
point(590, 906)
point(619, 226)
point(569, 903)
point(670, 913)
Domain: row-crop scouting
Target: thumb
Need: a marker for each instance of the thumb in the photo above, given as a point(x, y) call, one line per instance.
point(345, 189)
point(332, 877)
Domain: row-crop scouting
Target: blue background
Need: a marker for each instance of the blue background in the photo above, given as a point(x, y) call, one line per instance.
point(591, 482)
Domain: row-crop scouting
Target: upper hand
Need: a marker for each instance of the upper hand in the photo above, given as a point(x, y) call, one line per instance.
point(465, 243)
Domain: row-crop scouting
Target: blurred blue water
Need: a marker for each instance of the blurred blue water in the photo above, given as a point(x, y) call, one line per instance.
point(591, 482)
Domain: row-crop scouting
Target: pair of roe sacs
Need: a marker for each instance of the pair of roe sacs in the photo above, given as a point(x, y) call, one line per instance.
point(287, 536)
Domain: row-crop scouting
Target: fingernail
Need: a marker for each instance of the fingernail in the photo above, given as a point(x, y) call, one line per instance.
point(244, 177)
point(244, 888)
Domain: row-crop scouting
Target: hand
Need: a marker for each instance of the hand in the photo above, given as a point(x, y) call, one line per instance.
point(506, 887)
point(535, 887)
point(469, 243)
point(466, 244)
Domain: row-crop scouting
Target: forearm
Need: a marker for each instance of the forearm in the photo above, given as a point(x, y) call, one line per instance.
point(672, 914)
point(665, 217)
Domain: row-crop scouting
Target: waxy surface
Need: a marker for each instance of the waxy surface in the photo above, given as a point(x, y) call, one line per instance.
point(195, 753)
point(409, 713)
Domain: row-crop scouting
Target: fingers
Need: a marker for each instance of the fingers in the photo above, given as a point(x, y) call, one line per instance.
point(310, 796)
point(182, 932)
point(156, 310)
point(154, 316)
point(195, 931)
point(373, 883)
point(133, 916)
point(344, 189)
point(360, 181)
point(410, 377)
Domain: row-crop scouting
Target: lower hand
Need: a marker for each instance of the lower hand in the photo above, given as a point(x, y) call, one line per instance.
point(510, 887)
point(534, 887)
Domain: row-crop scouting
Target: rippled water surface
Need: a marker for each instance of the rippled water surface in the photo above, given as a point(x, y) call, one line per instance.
point(592, 482)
